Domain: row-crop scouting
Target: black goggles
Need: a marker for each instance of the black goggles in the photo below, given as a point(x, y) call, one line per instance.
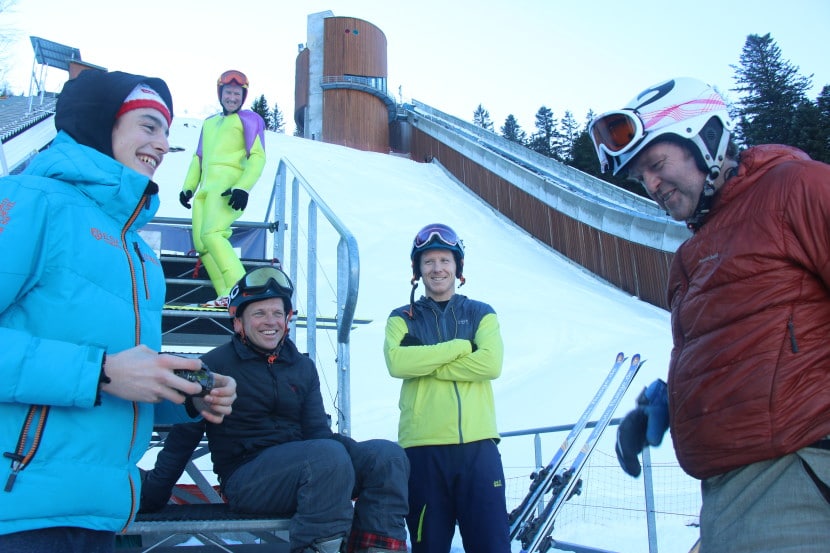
point(260, 280)
point(233, 77)
point(431, 233)
point(616, 132)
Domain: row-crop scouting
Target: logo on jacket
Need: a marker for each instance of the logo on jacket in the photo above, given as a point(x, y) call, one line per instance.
point(108, 238)
point(5, 207)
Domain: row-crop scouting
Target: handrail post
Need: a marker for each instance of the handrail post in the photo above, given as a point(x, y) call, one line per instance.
point(648, 485)
point(343, 350)
point(311, 282)
point(295, 224)
point(278, 203)
point(537, 448)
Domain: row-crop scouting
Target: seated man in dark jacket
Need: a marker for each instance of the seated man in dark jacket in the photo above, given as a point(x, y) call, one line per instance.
point(276, 453)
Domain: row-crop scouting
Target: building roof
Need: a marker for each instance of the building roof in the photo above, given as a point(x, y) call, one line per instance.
point(15, 116)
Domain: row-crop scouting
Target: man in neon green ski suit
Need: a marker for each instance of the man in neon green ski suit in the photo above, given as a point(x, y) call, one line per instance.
point(228, 162)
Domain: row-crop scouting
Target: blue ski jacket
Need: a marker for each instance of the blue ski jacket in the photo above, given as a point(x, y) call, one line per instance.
point(76, 280)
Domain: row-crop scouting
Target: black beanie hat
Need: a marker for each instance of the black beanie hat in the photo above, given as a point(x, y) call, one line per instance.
point(88, 104)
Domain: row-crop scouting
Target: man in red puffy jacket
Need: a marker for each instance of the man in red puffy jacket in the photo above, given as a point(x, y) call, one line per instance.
point(748, 395)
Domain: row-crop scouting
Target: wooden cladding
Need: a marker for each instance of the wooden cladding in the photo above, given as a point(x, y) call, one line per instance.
point(637, 269)
point(353, 47)
point(301, 87)
point(355, 119)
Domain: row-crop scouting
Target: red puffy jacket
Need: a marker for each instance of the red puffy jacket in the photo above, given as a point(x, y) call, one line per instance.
point(749, 377)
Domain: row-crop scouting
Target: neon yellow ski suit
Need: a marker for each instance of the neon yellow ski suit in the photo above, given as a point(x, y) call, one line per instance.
point(230, 155)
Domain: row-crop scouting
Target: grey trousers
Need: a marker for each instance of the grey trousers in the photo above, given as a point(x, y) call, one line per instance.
point(316, 481)
point(770, 506)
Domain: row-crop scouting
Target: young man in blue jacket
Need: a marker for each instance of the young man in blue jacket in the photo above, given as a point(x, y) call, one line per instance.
point(447, 349)
point(80, 321)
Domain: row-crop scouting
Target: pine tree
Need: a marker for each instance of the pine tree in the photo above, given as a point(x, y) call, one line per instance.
point(568, 132)
point(823, 103)
point(277, 121)
point(481, 118)
point(811, 131)
point(543, 140)
point(583, 153)
point(512, 131)
point(771, 91)
point(260, 106)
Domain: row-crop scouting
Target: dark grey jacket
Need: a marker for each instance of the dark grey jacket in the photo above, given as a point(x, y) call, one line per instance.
point(278, 401)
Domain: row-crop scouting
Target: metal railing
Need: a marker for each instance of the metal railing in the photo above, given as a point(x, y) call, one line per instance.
point(348, 271)
point(378, 83)
point(648, 486)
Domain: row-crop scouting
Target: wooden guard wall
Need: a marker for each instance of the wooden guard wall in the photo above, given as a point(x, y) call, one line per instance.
point(637, 269)
point(352, 117)
point(301, 88)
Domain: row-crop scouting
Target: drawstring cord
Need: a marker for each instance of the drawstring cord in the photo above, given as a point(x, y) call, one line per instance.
point(411, 312)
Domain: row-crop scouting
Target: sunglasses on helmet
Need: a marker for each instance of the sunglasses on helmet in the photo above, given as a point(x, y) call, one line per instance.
point(442, 233)
point(263, 278)
point(233, 77)
point(616, 132)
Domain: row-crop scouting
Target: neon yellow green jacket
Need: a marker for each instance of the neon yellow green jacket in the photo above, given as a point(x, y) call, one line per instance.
point(230, 153)
point(446, 395)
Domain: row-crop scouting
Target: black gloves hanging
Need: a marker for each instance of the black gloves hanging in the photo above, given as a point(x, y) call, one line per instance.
point(184, 198)
point(238, 198)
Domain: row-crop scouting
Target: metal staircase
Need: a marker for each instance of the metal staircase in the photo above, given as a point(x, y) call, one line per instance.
point(184, 323)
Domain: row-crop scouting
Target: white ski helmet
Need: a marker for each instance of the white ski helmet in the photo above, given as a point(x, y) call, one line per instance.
point(685, 108)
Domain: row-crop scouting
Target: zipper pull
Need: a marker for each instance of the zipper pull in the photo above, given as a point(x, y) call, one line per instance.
point(17, 465)
point(10, 481)
point(138, 252)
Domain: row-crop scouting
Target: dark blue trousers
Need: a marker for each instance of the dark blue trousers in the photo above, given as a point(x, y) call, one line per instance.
point(65, 539)
point(457, 483)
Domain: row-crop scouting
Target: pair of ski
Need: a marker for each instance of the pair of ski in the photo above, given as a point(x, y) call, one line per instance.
point(534, 531)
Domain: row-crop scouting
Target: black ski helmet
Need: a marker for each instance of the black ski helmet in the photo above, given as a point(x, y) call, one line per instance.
point(437, 236)
point(260, 284)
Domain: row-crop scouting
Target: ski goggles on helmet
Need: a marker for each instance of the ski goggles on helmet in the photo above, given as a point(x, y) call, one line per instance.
point(616, 132)
point(260, 280)
point(437, 232)
point(233, 77)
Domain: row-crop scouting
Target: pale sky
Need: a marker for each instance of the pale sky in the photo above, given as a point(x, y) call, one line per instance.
point(510, 56)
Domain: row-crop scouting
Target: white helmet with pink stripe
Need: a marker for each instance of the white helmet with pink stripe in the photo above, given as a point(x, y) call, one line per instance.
point(683, 108)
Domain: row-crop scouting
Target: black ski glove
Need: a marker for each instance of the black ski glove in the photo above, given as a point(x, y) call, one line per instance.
point(410, 340)
point(643, 426)
point(238, 198)
point(184, 198)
